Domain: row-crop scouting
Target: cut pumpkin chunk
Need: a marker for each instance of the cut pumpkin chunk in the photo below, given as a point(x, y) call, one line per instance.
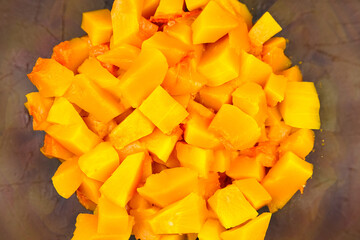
point(77, 138)
point(54, 149)
point(97, 24)
point(120, 187)
point(195, 4)
point(142, 229)
point(213, 23)
point(277, 59)
point(173, 237)
point(264, 29)
point(293, 74)
point(122, 56)
point(195, 158)
point(90, 189)
point(283, 180)
point(38, 107)
point(50, 77)
point(231, 207)
point(199, 109)
point(169, 186)
point(254, 192)
point(100, 162)
point(239, 38)
point(184, 216)
point(163, 110)
point(88, 96)
point(220, 63)
point(237, 9)
point(254, 229)
point(211, 230)
point(99, 128)
point(275, 89)
point(183, 99)
point(222, 160)
point(134, 127)
point(67, 178)
point(237, 129)
point(147, 71)
point(138, 202)
point(300, 107)
point(209, 185)
point(300, 142)
point(168, 7)
point(245, 167)
point(86, 226)
point(181, 31)
point(173, 49)
point(149, 7)
point(275, 42)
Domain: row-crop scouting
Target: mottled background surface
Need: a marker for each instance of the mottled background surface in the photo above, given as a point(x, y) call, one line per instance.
point(323, 34)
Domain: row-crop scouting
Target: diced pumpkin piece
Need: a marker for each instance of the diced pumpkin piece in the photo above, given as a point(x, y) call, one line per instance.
point(237, 9)
point(88, 96)
point(213, 23)
point(113, 219)
point(99, 128)
point(100, 162)
point(142, 229)
point(254, 229)
point(250, 98)
point(284, 179)
point(277, 59)
point(222, 160)
point(181, 31)
point(149, 7)
point(220, 63)
point(86, 226)
point(169, 186)
point(209, 185)
point(148, 168)
point(195, 4)
point(274, 116)
point(50, 77)
point(253, 69)
point(134, 127)
point(97, 24)
point(195, 158)
point(147, 71)
point(168, 7)
point(300, 142)
point(211, 230)
point(63, 112)
point(93, 69)
point(196, 133)
point(125, 16)
point(163, 110)
point(215, 97)
point(121, 186)
point(300, 107)
point(90, 189)
point(239, 38)
point(67, 178)
point(267, 153)
point(184, 216)
point(38, 107)
point(183, 99)
point(275, 42)
point(77, 138)
point(122, 56)
point(237, 129)
point(293, 74)
point(71, 54)
point(160, 144)
point(54, 149)
point(231, 207)
point(138, 202)
point(173, 49)
point(275, 89)
point(278, 131)
point(245, 167)
point(199, 109)
point(254, 192)
point(173, 237)
point(132, 148)
point(264, 29)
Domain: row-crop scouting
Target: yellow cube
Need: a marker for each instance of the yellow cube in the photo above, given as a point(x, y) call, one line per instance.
point(97, 24)
point(275, 89)
point(122, 56)
point(246, 167)
point(275, 42)
point(222, 160)
point(293, 74)
point(239, 38)
point(211, 230)
point(300, 142)
point(277, 59)
point(90, 189)
point(169, 7)
point(181, 31)
point(38, 107)
point(195, 4)
point(163, 110)
point(265, 28)
point(237, 9)
point(86, 226)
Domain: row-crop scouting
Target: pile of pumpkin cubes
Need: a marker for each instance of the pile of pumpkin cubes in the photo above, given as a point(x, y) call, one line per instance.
point(175, 120)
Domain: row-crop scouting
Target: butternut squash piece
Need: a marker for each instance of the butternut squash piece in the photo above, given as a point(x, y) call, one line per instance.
point(237, 9)
point(245, 167)
point(184, 216)
point(199, 109)
point(183, 99)
point(181, 31)
point(222, 160)
point(275, 42)
point(209, 185)
point(38, 107)
point(277, 59)
point(254, 229)
point(265, 28)
point(300, 142)
point(163, 110)
point(195, 4)
point(293, 74)
point(138, 202)
point(67, 178)
point(142, 229)
point(149, 7)
point(50, 77)
point(237, 130)
point(211, 230)
point(168, 7)
point(54, 149)
point(99, 128)
point(283, 180)
point(275, 89)
point(132, 148)
point(278, 131)
point(239, 38)
point(231, 207)
point(274, 116)
point(90, 189)
point(213, 23)
point(86, 226)
point(97, 24)
point(169, 186)
point(121, 186)
point(123, 56)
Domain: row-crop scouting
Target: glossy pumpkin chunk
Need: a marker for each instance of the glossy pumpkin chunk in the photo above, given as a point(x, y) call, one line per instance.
point(211, 230)
point(293, 74)
point(208, 185)
point(97, 24)
point(239, 38)
point(90, 189)
point(38, 107)
point(265, 28)
point(277, 59)
point(86, 226)
point(142, 229)
point(167, 7)
point(122, 56)
point(149, 7)
point(275, 42)
point(275, 89)
point(222, 160)
point(300, 142)
point(245, 167)
point(54, 149)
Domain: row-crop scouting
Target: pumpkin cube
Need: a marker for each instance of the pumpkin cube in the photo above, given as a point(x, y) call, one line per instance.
point(237, 9)
point(293, 74)
point(147, 71)
point(264, 29)
point(142, 228)
point(181, 31)
point(211, 230)
point(237, 130)
point(275, 89)
point(138, 202)
point(277, 59)
point(231, 207)
point(169, 7)
point(275, 42)
point(209, 185)
point(149, 7)
point(50, 77)
point(97, 24)
point(239, 38)
point(67, 178)
point(90, 188)
point(163, 110)
point(222, 160)
point(245, 167)
point(123, 56)
point(220, 63)
point(195, 108)
point(169, 186)
point(99, 128)
point(300, 142)
point(285, 178)
point(183, 99)
point(213, 23)
point(86, 226)
point(184, 216)
point(195, 4)
point(173, 237)
point(38, 107)
point(54, 149)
